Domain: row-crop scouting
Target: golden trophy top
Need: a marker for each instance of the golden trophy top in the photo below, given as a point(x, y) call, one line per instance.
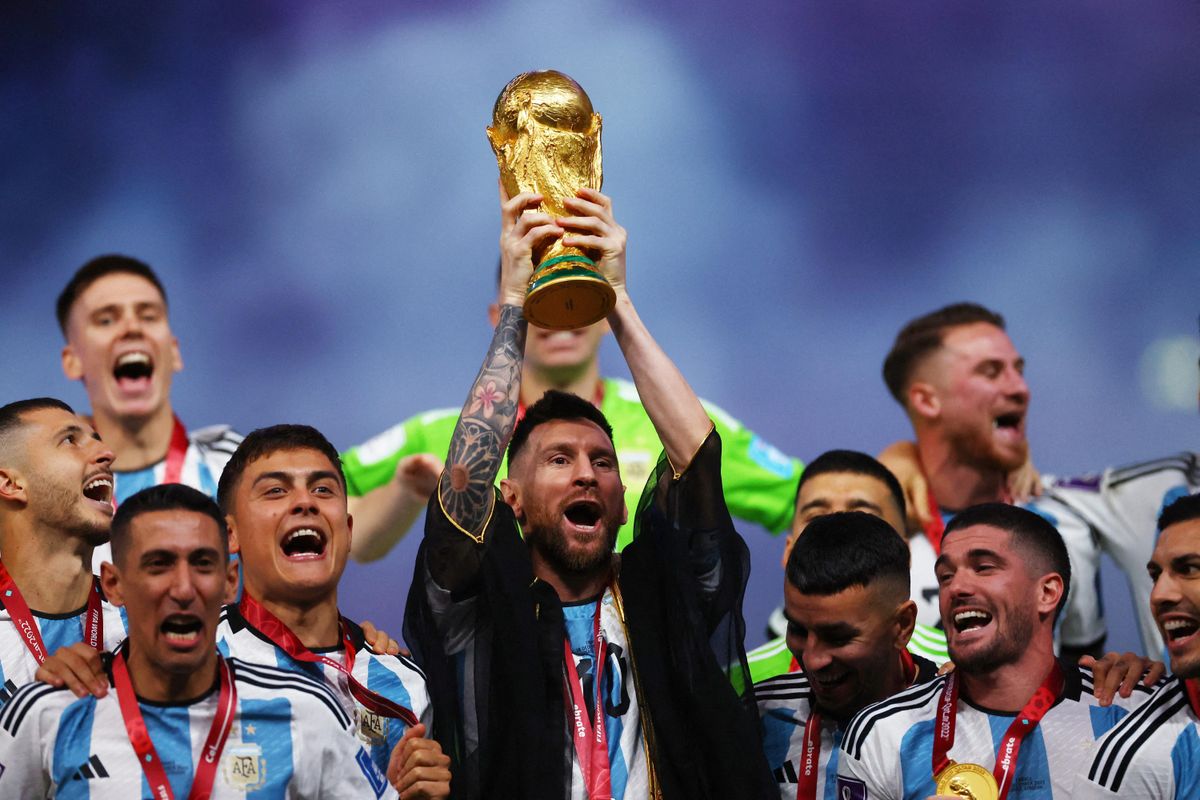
point(546, 138)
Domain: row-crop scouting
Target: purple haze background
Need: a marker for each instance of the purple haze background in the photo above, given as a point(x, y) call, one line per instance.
point(314, 186)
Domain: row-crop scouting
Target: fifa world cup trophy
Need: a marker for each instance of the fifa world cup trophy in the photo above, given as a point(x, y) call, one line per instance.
point(547, 140)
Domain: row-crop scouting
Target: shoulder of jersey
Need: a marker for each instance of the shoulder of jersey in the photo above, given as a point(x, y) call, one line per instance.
point(25, 699)
point(789, 686)
point(273, 679)
point(387, 659)
point(911, 699)
point(216, 437)
point(1118, 748)
point(1188, 464)
point(1087, 686)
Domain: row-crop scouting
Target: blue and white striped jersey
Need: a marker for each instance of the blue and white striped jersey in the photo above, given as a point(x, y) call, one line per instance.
point(394, 677)
point(290, 739)
point(17, 664)
point(208, 452)
point(1120, 509)
point(626, 748)
point(784, 706)
point(887, 751)
point(1152, 753)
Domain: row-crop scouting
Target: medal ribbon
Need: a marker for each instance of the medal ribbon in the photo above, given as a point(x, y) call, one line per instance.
point(1010, 746)
point(1192, 686)
point(590, 746)
point(935, 529)
point(810, 752)
point(22, 617)
point(282, 637)
point(173, 472)
point(139, 737)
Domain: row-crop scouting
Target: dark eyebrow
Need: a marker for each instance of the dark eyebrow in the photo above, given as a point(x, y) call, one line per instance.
point(72, 428)
point(278, 475)
point(983, 552)
point(819, 502)
point(836, 629)
point(323, 475)
point(152, 555)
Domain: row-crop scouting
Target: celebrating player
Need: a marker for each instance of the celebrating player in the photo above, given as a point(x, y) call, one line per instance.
point(1003, 574)
point(849, 623)
point(1153, 753)
point(843, 480)
point(577, 672)
point(181, 720)
point(960, 380)
point(55, 507)
point(113, 315)
point(392, 476)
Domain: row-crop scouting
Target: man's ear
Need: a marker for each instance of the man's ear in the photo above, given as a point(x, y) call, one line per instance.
point(510, 490)
point(231, 579)
point(235, 546)
point(494, 314)
point(72, 364)
point(176, 356)
point(905, 622)
point(1050, 592)
point(12, 486)
point(923, 400)
point(110, 584)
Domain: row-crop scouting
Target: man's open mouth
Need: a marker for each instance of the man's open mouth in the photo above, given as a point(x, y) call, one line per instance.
point(133, 370)
point(99, 488)
point(303, 543)
point(1008, 422)
point(1177, 629)
point(182, 629)
point(584, 515)
point(971, 619)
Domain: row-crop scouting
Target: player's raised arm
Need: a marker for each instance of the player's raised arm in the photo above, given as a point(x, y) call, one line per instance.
point(490, 411)
point(681, 422)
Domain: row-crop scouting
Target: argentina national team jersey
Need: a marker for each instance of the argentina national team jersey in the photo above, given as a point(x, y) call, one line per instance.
point(290, 739)
point(1120, 509)
point(1152, 753)
point(887, 751)
point(626, 748)
point(785, 703)
point(394, 677)
point(17, 664)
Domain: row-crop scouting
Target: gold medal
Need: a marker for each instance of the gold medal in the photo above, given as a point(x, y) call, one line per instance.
point(967, 780)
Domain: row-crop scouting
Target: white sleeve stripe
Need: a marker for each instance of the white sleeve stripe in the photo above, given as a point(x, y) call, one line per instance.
point(18, 707)
point(915, 697)
point(1110, 763)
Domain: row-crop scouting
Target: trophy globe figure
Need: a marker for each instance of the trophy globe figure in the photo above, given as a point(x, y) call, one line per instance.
point(546, 138)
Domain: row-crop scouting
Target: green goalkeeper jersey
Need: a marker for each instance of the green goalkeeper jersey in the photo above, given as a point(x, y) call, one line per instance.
point(760, 481)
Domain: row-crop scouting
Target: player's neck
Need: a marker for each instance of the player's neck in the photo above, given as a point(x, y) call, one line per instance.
point(152, 682)
point(138, 442)
point(1008, 687)
point(53, 571)
point(572, 587)
point(956, 483)
point(316, 624)
point(582, 380)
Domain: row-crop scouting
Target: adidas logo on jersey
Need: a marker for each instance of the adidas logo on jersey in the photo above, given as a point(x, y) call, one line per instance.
point(90, 770)
point(6, 692)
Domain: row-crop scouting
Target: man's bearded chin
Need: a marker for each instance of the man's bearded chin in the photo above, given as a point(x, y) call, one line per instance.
point(1006, 648)
point(552, 547)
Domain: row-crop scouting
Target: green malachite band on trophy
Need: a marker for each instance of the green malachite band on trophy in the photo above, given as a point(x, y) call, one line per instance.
point(541, 280)
point(552, 261)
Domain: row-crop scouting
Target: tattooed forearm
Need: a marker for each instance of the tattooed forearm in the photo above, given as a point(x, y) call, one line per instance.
point(485, 425)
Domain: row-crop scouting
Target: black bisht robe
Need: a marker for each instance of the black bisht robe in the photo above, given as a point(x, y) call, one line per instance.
point(489, 637)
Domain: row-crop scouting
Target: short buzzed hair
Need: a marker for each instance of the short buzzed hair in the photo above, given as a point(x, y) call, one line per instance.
point(93, 271)
point(849, 548)
point(854, 463)
point(163, 497)
point(265, 441)
point(1032, 533)
point(924, 335)
point(1182, 509)
point(12, 417)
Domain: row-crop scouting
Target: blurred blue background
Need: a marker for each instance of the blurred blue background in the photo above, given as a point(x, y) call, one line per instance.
point(313, 183)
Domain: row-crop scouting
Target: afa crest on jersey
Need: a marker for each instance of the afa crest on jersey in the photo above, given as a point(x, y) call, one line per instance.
point(244, 767)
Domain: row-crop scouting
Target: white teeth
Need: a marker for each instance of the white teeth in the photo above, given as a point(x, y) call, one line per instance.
point(1176, 624)
point(294, 535)
point(965, 615)
point(133, 358)
point(93, 484)
point(180, 637)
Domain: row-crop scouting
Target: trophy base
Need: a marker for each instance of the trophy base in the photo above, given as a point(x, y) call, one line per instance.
point(567, 293)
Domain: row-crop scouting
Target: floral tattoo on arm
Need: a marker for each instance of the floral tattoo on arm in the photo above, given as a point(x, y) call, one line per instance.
point(484, 427)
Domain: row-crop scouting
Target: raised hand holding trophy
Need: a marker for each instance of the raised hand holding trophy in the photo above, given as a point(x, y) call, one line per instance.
point(547, 140)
